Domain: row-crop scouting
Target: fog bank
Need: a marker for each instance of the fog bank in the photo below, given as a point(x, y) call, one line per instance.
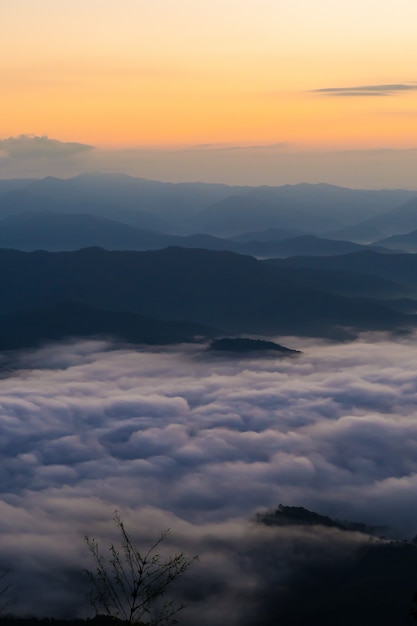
point(179, 439)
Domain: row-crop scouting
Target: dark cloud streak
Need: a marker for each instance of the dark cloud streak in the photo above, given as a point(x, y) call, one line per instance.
point(367, 90)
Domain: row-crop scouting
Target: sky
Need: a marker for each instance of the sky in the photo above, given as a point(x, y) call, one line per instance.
point(174, 438)
point(165, 88)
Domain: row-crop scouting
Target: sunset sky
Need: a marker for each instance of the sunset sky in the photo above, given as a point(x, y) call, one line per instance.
point(291, 78)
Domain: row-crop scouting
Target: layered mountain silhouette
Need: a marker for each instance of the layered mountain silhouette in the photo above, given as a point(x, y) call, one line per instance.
point(345, 282)
point(270, 234)
point(235, 293)
point(396, 221)
point(397, 268)
point(24, 329)
point(316, 208)
point(179, 253)
point(134, 201)
point(187, 208)
point(404, 243)
point(54, 231)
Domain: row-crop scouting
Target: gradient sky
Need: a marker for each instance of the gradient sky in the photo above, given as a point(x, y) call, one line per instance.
point(123, 74)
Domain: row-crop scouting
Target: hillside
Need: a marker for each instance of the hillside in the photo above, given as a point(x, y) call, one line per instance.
point(219, 289)
point(24, 329)
point(398, 268)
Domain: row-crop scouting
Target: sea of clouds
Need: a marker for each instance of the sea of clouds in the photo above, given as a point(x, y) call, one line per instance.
point(198, 443)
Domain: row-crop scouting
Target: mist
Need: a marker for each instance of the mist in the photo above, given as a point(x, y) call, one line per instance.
point(178, 439)
point(29, 156)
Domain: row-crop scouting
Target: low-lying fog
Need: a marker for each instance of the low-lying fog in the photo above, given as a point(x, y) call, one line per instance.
point(177, 438)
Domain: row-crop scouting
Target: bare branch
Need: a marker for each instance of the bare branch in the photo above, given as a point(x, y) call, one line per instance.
point(6, 599)
point(129, 584)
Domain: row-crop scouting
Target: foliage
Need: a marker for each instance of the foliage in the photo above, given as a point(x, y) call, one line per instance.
point(129, 584)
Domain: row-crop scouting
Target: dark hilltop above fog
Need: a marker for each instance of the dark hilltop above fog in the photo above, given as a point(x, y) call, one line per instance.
point(64, 320)
point(354, 577)
point(243, 345)
point(310, 569)
point(300, 516)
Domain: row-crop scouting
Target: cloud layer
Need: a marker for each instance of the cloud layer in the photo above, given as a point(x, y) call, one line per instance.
point(177, 439)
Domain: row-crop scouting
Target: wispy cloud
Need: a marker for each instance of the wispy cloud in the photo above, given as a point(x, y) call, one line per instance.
point(367, 90)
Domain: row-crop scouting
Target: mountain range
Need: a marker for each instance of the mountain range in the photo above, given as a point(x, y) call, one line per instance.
point(54, 231)
point(187, 208)
point(396, 221)
point(233, 293)
point(155, 262)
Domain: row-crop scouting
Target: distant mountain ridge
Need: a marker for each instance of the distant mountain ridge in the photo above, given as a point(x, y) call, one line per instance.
point(405, 243)
point(54, 231)
point(185, 208)
point(397, 221)
point(326, 287)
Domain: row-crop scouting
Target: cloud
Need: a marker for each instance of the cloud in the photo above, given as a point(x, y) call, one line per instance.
point(31, 146)
point(368, 90)
point(174, 438)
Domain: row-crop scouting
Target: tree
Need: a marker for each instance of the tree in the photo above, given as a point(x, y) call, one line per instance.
point(5, 599)
point(130, 585)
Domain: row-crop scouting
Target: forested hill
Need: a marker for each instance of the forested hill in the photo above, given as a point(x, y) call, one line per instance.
point(227, 291)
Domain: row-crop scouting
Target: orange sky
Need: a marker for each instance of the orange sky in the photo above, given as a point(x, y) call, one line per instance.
point(175, 72)
point(311, 77)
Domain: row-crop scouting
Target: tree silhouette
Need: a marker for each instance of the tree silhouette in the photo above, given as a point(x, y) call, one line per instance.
point(6, 600)
point(130, 584)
